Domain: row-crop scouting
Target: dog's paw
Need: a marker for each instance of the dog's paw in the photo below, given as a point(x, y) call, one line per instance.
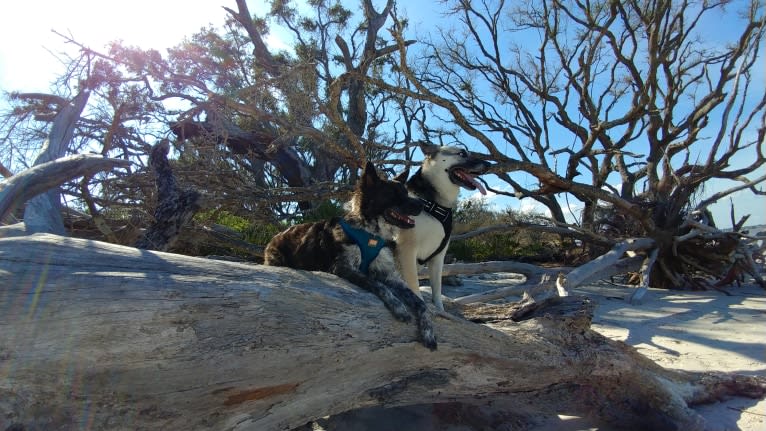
point(430, 343)
point(438, 303)
point(427, 336)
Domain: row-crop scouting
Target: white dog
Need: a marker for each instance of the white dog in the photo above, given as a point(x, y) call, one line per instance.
point(437, 184)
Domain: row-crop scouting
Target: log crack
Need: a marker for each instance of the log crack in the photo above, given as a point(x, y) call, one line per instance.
point(259, 393)
point(424, 379)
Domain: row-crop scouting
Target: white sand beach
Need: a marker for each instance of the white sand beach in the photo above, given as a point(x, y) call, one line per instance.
point(693, 331)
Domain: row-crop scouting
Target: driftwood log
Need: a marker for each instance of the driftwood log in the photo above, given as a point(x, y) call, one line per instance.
point(540, 282)
point(121, 338)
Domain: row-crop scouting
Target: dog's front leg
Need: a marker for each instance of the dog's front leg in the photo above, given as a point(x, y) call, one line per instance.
point(425, 326)
point(407, 260)
point(435, 266)
point(391, 301)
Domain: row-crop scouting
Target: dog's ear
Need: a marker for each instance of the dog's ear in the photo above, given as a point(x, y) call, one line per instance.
point(370, 174)
point(428, 149)
point(402, 177)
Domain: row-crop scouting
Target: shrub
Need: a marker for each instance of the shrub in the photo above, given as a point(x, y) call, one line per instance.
point(516, 244)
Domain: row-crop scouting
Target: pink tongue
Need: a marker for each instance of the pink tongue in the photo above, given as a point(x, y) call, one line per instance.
point(471, 179)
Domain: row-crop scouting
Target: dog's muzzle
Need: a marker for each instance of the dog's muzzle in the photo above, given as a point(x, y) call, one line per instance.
point(465, 175)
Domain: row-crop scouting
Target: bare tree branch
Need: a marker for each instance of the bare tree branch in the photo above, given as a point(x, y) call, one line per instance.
point(746, 184)
point(18, 189)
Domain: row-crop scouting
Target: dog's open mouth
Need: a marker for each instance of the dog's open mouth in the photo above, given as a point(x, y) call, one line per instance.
point(466, 180)
point(398, 219)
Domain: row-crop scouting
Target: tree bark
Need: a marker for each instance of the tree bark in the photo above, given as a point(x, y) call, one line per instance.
point(20, 188)
point(596, 266)
point(121, 338)
point(43, 212)
point(175, 206)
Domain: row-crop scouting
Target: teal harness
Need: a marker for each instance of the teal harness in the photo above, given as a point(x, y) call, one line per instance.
point(369, 244)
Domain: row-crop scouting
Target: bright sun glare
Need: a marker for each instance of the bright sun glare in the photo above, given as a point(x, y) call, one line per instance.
point(28, 39)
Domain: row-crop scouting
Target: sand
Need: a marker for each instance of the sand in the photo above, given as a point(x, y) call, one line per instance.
point(695, 331)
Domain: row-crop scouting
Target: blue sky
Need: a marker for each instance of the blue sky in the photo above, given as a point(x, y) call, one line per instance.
point(28, 49)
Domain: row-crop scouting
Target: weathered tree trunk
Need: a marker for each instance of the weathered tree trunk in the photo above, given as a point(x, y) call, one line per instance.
point(122, 338)
point(43, 212)
point(175, 206)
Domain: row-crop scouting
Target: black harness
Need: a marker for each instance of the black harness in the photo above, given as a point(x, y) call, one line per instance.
point(444, 215)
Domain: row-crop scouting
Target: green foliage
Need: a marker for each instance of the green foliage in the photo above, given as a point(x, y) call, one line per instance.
point(253, 231)
point(518, 244)
point(260, 233)
point(325, 210)
point(224, 218)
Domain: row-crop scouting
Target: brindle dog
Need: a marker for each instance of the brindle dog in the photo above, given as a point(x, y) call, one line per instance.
point(358, 247)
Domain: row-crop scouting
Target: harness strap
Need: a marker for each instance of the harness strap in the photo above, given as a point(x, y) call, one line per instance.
point(444, 215)
point(369, 244)
point(439, 212)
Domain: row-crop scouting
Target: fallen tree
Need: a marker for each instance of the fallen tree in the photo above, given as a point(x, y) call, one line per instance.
point(125, 338)
point(540, 282)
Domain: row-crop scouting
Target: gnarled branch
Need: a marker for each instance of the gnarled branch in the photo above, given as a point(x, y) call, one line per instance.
point(19, 188)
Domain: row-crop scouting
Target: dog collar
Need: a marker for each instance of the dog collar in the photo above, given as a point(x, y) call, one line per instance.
point(369, 244)
point(439, 212)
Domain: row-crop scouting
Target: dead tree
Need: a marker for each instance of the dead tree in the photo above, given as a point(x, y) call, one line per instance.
point(43, 212)
point(147, 340)
point(629, 69)
point(175, 206)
